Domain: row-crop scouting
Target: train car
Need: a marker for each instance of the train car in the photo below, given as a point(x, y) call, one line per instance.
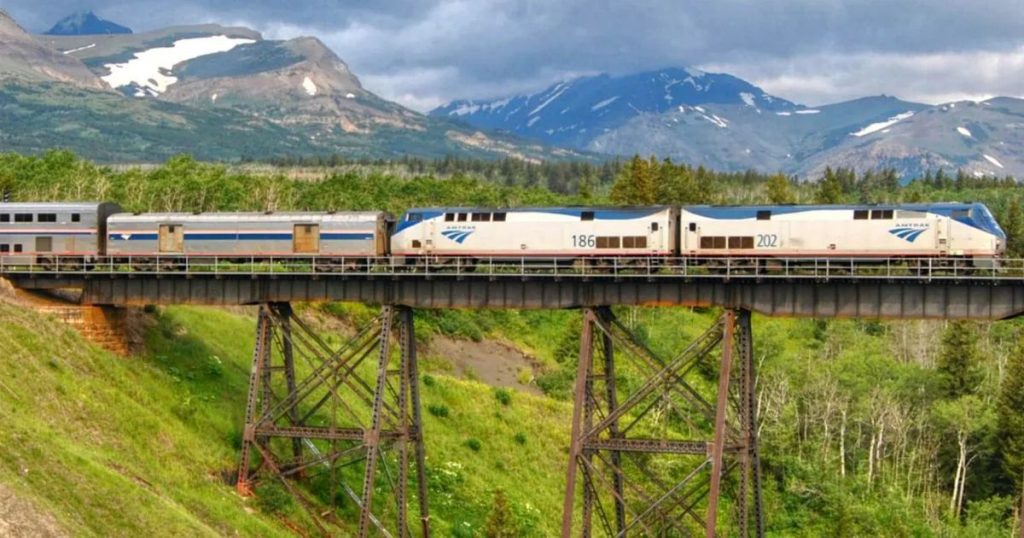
point(246, 235)
point(40, 232)
point(551, 232)
point(842, 231)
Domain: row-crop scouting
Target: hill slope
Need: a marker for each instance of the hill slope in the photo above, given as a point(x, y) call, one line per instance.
point(23, 58)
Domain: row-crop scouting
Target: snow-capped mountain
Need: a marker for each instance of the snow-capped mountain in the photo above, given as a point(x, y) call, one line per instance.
point(86, 23)
point(195, 88)
point(725, 123)
point(577, 111)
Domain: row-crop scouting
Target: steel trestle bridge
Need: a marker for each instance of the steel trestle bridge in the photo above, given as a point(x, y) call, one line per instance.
point(352, 410)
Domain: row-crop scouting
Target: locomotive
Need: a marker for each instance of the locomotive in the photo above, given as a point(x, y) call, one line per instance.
point(37, 232)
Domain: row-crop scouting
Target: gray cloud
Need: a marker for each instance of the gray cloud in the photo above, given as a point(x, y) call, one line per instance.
point(424, 52)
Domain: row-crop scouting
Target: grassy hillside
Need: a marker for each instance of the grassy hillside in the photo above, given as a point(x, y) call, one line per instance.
point(132, 447)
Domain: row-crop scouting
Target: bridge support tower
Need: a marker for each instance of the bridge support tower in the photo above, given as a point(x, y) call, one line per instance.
point(649, 453)
point(343, 418)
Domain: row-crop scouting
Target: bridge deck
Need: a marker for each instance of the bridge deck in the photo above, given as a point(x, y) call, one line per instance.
point(886, 288)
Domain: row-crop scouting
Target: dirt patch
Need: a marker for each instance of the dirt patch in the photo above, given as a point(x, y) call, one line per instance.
point(20, 518)
point(494, 363)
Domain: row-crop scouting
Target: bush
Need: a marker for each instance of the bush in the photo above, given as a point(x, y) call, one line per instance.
point(429, 381)
point(520, 438)
point(273, 498)
point(503, 396)
point(474, 444)
point(438, 410)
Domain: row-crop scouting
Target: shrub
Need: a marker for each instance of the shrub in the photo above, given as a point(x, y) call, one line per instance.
point(474, 444)
point(429, 381)
point(520, 438)
point(503, 396)
point(273, 498)
point(438, 410)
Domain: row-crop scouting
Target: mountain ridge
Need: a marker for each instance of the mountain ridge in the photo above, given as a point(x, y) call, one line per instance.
point(86, 23)
point(726, 123)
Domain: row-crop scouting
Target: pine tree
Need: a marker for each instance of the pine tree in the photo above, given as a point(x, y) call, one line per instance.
point(830, 189)
point(1013, 225)
point(500, 522)
point(958, 363)
point(780, 190)
point(636, 184)
point(1010, 419)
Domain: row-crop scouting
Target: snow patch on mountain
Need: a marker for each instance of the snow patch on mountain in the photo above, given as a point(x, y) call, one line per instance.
point(993, 160)
point(80, 49)
point(309, 86)
point(964, 131)
point(748, 98)
point(559, 90)
point(605, 103)
point(809, 111)
point(150, 70)
point(879, 126)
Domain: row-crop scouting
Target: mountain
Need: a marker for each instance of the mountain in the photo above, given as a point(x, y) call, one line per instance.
point(577, 111)
point(217, 92)
point(86, 23)
point(24, 59)
point(720, 121)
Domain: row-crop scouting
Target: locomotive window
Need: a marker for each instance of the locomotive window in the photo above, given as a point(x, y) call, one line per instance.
point(959, 214)
point(5, 217)
point(887, 214)
point(587, 215)
point(23, 217)
point(415, 243)
point(881, 214)
point(747, 242)
point(735, 242)
point(654, 226)
point(481, 217)
point(706, 242)
point(627, 242)
point(462, 217)
point(415, 217)
point(764, 215)
point(449, 217)
point(17, 248)
point(693, 226)
point(499, 217)
point(47, 217)
point(860, 214)
point(640, 242)
point(5, 248)
point(75, 217)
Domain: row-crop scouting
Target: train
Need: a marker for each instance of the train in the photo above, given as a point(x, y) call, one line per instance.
point(88, 231)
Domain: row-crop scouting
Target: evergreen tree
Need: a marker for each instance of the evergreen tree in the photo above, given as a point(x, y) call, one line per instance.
point(830, 190)
point(1010, 415)
point(1013, 225)
point(958, 363)
point(780, 190)
point(500, 523)
point(636, 185)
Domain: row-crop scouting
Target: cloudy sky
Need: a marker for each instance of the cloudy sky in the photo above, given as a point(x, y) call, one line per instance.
point(425, 52)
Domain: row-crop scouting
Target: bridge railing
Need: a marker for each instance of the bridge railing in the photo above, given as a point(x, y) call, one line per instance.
point(716, 268)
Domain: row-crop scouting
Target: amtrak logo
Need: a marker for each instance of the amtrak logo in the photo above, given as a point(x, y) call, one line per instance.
point(457, 235)
point(908, 233)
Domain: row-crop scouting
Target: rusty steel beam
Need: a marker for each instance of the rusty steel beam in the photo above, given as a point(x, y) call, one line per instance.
point(620, 487)
point(282, 406)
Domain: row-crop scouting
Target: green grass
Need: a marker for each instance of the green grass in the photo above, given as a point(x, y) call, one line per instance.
point(130, 447)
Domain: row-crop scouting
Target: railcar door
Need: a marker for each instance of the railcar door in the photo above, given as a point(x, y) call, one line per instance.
point(44, 245)
point(171, 238)
point(306, 239)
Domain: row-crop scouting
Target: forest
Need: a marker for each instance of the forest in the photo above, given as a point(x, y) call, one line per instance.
point(868, 427)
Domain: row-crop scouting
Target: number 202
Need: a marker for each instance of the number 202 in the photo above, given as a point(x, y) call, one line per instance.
point(767, 240)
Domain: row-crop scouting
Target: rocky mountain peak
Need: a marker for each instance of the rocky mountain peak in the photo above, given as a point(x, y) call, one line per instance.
point(86, 23)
